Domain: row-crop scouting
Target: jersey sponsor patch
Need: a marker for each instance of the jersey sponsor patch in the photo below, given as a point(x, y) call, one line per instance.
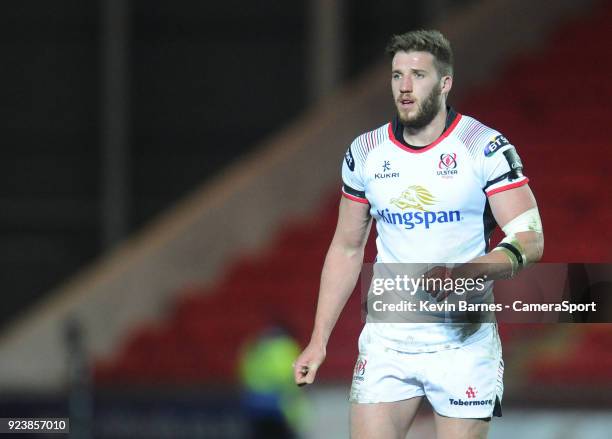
point(454, 401)
point(350, 161)
point(411, 219)
point(417, 198)
point(495, 144)
point(471, 394)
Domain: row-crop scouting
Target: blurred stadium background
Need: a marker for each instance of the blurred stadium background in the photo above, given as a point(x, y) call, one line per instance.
point(170, 183)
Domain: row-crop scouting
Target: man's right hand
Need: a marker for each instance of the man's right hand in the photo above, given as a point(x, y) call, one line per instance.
point(306, 365)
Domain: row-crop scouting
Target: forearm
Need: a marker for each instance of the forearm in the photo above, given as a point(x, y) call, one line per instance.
point(338, 278)
point(497, 265)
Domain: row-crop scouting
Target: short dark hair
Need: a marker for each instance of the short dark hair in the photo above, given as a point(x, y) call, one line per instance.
point(431, 41)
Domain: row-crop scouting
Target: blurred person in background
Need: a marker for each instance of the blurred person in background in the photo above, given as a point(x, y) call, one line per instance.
point(273, 405)
point(437, 183)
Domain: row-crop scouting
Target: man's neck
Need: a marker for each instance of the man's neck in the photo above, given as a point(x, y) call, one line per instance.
point(428, 134)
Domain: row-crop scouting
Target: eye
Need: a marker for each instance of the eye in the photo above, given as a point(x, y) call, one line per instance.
point(395, 76)
point(419, 75)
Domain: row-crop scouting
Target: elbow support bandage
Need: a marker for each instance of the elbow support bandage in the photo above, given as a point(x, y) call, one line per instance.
point(528, 221)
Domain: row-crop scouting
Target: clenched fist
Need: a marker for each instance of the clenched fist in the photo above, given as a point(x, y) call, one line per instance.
point(307, 363)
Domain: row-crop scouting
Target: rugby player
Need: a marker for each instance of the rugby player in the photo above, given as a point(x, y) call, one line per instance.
point(437, 182)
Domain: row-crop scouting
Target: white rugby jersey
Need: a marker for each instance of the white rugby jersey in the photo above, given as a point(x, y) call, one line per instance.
point(430, 205)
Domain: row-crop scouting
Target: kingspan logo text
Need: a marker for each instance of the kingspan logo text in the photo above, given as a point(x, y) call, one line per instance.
point(411, 219)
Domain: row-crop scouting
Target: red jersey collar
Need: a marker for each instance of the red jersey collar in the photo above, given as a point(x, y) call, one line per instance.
point(396, 132)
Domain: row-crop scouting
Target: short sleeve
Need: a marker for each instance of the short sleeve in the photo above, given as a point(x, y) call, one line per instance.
point(353, 186)
point(501, 166)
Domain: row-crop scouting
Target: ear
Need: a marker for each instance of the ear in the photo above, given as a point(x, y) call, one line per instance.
point(446, 83)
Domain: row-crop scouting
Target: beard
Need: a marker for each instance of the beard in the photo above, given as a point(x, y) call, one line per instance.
point(426, 112)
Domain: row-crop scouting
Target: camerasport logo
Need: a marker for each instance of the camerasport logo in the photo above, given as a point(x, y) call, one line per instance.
point(471, 394)
point(447, 166)
point(359, 371)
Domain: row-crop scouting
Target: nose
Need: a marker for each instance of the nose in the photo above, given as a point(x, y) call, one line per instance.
point(406, 84)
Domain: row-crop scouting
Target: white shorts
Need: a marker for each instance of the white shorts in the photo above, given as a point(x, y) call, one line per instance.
point(464, 382)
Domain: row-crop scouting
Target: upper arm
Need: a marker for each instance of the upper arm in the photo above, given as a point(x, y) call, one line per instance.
point(353, 226)
point(354, 218)
point(500, 171)
point(511, 203)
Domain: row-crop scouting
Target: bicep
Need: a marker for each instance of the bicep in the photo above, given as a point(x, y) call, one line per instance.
point(353, 226)
point(509, 204)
